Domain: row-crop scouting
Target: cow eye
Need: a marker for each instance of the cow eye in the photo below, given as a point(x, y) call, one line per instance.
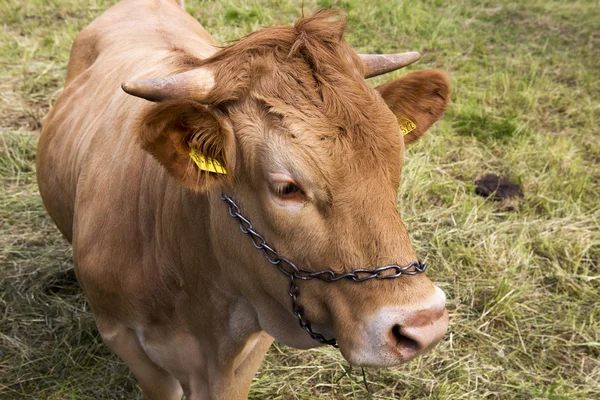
point(287, 190)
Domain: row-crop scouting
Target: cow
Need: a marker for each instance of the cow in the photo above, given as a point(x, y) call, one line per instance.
point(202, 187)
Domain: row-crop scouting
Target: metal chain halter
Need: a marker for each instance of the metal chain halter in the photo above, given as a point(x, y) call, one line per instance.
point(289, 269)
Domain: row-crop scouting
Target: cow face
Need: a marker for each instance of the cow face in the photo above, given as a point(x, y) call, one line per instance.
point(313, 157)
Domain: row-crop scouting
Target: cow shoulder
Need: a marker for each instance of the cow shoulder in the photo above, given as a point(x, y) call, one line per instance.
point(83, 53)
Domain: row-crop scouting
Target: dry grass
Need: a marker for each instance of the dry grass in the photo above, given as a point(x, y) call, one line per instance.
point(522, 278)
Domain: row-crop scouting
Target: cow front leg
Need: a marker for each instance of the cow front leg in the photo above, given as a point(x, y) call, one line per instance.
point(228, 377)
point(155, 382)
point(247, 368)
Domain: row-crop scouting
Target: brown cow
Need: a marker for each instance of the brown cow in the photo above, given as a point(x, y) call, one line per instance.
point(312, 156)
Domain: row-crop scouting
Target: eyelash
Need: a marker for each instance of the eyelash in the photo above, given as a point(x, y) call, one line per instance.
point(285, 189)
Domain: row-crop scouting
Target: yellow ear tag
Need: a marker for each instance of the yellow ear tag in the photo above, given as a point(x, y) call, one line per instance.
point(406, 126)
point(207, 163)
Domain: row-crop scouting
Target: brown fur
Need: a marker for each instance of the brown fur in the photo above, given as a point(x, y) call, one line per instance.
point(177, 291)
point(421, 96)
point(310, 67)
point(170, 130)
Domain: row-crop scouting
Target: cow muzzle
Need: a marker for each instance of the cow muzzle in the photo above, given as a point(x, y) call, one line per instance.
point(394, 335)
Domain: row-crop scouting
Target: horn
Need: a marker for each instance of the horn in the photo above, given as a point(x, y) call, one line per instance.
point(378, 64)
point(193, 85)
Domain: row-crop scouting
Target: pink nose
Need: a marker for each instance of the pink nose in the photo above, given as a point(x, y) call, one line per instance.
point(417, 332)
point(394, 335)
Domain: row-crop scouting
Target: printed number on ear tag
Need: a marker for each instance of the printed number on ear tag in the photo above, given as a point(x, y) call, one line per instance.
point(406, 126)
point(207, 163)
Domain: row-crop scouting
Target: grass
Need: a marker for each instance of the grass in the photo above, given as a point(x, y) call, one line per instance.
point(522, 278)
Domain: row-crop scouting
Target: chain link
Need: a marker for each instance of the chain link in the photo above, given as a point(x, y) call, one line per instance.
point(289, 269)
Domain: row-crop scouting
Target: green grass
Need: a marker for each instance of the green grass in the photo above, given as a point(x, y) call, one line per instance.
point(522, 277)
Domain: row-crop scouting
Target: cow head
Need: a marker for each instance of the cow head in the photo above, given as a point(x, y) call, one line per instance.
point(313, 156)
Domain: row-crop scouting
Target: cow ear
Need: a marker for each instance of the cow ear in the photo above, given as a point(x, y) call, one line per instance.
point(418, 100)
point(190, 142)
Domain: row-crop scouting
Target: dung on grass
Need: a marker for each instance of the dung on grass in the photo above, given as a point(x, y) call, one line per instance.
point(523, 287)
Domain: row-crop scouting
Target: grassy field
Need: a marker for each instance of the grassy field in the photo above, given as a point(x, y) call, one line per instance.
point(522, 276)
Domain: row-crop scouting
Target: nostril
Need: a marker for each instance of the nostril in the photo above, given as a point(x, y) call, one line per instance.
point(403, 341)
